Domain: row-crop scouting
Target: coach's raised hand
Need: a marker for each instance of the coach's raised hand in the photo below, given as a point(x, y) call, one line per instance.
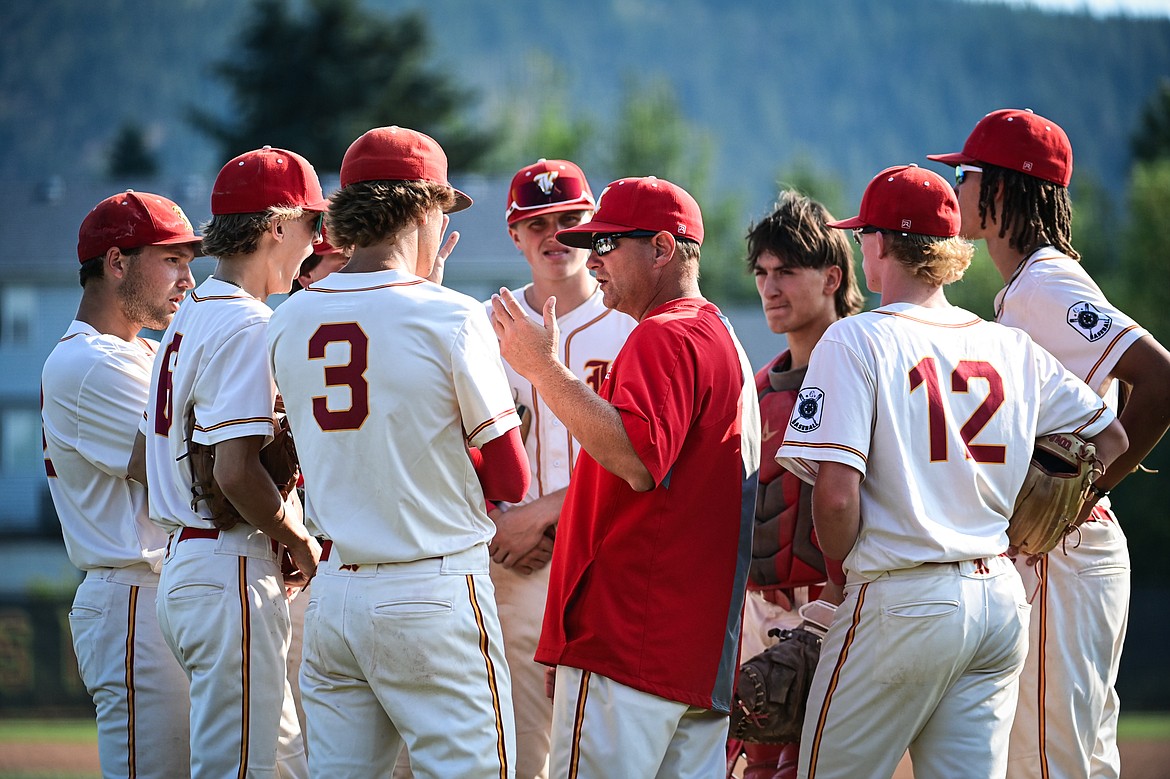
point(530, 348)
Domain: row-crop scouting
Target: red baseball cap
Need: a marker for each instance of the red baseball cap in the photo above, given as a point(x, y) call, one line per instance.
point(648, 203)
point(1017, 140)
point(130, 220)
point(547, 187)
point(324, 247)
point(260, 179)
point(908, 199)
point(398, 154)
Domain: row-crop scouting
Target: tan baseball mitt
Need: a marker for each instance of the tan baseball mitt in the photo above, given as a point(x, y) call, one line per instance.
point(1063, 468)
point(279, 458)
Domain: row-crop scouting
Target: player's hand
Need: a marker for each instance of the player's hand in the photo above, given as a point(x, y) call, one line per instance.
point(445, 251)
point(526, 345)
point(518, 531)
point(306, 554)
point(537, 557)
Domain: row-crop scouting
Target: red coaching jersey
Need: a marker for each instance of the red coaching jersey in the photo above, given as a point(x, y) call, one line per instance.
point(647, 588)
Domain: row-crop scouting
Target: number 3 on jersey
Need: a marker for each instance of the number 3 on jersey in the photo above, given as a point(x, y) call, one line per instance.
point(351, 374)
point(925, 373)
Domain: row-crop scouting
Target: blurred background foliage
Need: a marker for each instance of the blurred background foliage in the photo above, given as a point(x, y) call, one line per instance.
point(730, 101)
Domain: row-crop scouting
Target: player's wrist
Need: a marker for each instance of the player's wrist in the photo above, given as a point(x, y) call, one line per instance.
point(1098, 492)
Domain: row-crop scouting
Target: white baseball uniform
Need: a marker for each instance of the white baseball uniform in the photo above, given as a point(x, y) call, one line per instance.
point(1066, 719)
point(94, 389)
point(591, 336)
point(938, 410)
point(221, 604)
point(386, 378)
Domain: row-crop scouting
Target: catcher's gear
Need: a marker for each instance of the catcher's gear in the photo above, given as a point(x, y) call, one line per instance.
point(1060, 478)
point(771, 690)
point(279, 458)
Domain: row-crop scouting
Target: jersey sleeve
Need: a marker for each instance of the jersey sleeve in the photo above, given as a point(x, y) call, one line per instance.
point(110, 402)
point(832, 418)
point(1067, 404)
point(481, 388)
point(235, 391)
point(1068, 314)
point(654, 391)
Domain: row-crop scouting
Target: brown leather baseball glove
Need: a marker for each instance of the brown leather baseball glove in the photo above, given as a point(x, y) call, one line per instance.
point(1063, 468)
point(772, 689)
point(279, 458)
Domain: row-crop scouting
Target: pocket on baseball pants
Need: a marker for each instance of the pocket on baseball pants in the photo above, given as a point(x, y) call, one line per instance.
point(922, 609)
point(82, 613)
point(192, 590)
point(412, 608)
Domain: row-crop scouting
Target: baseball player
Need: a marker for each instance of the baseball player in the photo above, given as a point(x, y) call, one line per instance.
point(646, 589)
point(804, 275)
point(388, 378)
point(1012, 179)
point(325, 259)
point(915, 424)
point(544, 197)
point(135, 250)
point(222, 604)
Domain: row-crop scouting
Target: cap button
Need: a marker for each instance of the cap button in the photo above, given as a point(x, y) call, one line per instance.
point(266, 146)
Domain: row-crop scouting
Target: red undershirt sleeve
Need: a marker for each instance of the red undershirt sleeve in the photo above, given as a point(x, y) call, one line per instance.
point(502, 467)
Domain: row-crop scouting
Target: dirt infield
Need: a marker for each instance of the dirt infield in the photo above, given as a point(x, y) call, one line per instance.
point(1140, 760)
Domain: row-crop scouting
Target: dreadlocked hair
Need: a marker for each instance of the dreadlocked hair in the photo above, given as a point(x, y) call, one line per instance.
point(1037, 212)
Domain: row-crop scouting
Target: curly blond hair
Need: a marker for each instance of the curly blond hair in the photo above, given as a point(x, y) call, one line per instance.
point(939, 261)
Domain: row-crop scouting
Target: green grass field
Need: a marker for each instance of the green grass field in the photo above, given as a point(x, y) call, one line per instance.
point(1133, 727)
point(54, 731)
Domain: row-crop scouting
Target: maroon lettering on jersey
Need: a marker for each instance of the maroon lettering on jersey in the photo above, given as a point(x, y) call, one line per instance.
point(164, 401)
point(351, 375)
point(595, 372)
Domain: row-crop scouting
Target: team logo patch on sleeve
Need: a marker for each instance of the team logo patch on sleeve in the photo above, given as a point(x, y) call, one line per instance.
point(806, 414)
point(1087, 320)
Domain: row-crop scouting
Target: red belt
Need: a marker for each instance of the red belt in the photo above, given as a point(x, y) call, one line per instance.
point(326, 548)
point(187, 533)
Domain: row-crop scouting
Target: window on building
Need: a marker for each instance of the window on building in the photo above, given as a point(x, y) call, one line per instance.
point(21, 450)
point(18, 305)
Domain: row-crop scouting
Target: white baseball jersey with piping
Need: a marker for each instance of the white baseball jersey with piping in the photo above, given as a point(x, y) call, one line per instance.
point(221, 604)
point(95, 388)
point(938, 410)
point(386, 378)
point(591, 336)
point(1066, 720)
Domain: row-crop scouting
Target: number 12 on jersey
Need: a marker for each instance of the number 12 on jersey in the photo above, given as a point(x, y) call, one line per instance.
point(926, 374)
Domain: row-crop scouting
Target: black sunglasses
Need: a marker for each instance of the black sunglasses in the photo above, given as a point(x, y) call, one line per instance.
point(604, 243)
point(860, 231)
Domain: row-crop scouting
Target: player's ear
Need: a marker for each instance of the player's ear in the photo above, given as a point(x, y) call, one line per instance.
point(115, 262)
point(832, 280)
point(515, 236)
point(665, 248)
